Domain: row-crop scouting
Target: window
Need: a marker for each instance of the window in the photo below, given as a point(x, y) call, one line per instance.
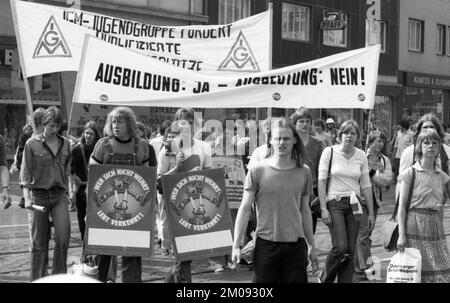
point(295, 22)
point(232, 10)
point(415, 35)
point(448, 41)
point(440, 39)
point(337, 37)
point(376, 33)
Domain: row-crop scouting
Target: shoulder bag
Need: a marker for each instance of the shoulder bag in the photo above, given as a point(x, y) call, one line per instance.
point(390, 227)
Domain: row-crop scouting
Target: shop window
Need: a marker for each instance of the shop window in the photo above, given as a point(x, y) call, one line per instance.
point(337, 37)
point(415, 34)
point(232, 10)
point(295, 22)
point(376, 33)
point(440, 39)
point(419, 101)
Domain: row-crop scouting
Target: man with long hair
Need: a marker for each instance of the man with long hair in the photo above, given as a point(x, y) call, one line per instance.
point(281, 185)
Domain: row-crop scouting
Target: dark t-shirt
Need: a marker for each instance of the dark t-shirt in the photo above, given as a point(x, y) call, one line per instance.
point(77, 166)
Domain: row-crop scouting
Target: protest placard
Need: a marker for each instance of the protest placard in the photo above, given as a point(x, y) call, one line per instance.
point(198, 214)
point(121, 210)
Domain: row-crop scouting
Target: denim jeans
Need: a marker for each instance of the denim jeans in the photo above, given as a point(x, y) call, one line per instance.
point(280, 262)
point(56, 203)
point(364, 243)
point(344, 232)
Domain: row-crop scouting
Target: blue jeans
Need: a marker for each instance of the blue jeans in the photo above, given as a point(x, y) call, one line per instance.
point(56, 203)
point(344, 232)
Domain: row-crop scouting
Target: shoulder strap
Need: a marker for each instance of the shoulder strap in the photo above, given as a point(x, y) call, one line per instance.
point(408, 201)
point(444, 159)
point(84, 159)
point(329, 170)
point(136, 145)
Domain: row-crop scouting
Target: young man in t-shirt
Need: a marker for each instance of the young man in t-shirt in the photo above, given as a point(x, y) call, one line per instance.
point(281, 185)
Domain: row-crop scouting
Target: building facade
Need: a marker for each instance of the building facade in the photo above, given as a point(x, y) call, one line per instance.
point(298, 37)
point(424, 59)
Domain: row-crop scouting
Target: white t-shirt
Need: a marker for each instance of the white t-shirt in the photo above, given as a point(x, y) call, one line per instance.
point(347, 175)
point(157, 143)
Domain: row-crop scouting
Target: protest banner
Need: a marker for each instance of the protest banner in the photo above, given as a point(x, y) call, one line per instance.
point(52, 39)
point(120, 210)
point(117, 76)
point(234, 174)
point(198, 214)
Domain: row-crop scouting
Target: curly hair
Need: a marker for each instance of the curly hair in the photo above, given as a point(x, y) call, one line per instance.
point(125, 113)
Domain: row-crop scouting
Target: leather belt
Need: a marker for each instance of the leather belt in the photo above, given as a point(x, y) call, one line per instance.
point(339, 198)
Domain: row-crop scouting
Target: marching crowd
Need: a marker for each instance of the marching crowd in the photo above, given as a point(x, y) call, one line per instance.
point(292, 180)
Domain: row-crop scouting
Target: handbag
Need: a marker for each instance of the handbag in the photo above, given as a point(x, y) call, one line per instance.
point(390, 227)
point(315, 203)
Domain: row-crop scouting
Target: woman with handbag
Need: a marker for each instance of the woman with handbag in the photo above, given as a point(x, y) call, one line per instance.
point(343, 178)
point(380, 173)
point(419, 223)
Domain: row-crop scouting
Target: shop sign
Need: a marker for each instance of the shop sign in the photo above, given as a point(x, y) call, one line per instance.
point(424, 80)
point(332, 21)
point(6, 56)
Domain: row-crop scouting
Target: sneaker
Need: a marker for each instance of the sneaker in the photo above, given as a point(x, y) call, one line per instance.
point(22, 203)
point(7, 205)
point(223, 268)
point(159, 242)
point(166, 252)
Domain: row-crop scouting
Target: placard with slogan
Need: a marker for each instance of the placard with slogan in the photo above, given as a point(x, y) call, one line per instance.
point(51, 40)
point(121, 210)
point(198, 214)
point(234, 173)
point(114, 75)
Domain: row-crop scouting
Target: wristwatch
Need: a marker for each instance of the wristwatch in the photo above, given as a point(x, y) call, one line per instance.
point(6, 186)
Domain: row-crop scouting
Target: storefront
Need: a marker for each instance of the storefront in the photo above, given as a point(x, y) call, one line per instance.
point(425, 93)
point(13, 113)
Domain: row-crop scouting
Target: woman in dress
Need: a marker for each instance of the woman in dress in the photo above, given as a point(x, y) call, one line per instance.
point(419, 222)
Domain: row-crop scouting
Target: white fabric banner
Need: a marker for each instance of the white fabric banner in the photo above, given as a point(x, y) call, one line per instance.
point(117, 76)
point(51, 40)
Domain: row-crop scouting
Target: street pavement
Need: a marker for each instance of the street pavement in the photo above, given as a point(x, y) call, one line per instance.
point(15, 257)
